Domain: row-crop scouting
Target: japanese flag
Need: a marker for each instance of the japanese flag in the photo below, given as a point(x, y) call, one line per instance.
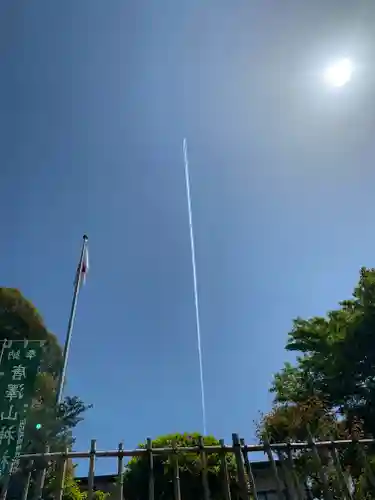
point(85, 265)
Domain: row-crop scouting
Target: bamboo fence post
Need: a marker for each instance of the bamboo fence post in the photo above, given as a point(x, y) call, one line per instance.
point(322, 474)
point(120, 472)
point(224, 469)
point(249, 470)
point(343, 485)
point(297, 482)
point(244, 493)
point(151, 477)
point(203, 457)
point(279, 486)
point(61, 472)
point(91, 476)
point(26, 486)
point(176, 472)
point(41, 477)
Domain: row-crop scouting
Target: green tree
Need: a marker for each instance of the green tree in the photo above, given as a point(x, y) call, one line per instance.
point(72, 489)
point(137, 471)
point(19, 319)
point(336, 358)
point(330, 392)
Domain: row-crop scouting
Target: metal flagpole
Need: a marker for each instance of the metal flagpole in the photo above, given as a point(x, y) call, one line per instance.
point(73, 309)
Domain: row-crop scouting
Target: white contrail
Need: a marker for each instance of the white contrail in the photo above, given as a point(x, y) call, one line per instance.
point(196, 300)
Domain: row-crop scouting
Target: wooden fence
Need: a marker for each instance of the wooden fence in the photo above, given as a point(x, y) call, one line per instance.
point(331, 476)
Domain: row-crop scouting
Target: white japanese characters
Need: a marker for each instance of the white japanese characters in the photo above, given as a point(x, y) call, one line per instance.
point(8, 433)
point(12, 415)
point(19, 372)
point(14, 391)
point(20, 436)
point(14, 355)
point(31, 353)
point(19, 367)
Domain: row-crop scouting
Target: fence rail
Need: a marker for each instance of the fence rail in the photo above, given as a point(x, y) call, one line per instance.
point(136, 452)
point(239, 476)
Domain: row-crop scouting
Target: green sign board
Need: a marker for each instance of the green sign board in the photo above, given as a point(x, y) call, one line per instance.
point(19, 366)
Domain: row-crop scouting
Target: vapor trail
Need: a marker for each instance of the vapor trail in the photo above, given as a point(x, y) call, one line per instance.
point(196, 298)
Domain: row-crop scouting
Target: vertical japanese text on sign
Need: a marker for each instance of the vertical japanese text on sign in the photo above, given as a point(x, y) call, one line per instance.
point(19, 366)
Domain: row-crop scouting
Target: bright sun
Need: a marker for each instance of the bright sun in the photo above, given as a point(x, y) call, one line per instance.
point(339, 74)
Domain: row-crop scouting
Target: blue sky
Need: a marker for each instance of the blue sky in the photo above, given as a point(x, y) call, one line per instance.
point(95, 99)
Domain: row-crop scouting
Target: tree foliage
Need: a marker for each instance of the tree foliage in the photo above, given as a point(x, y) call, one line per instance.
point(330, 392)
point(72, 489)
point(19, 319)
point(137, 471)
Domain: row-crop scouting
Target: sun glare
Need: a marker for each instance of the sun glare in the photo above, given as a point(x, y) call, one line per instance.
point(339, 73)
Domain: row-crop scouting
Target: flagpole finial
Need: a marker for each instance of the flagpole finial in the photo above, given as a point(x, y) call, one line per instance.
point(85, 237)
